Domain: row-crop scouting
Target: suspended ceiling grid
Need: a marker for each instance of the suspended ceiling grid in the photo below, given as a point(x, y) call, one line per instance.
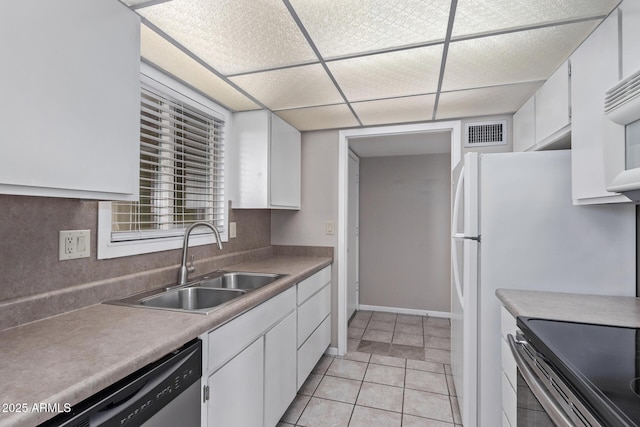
point(326, 64)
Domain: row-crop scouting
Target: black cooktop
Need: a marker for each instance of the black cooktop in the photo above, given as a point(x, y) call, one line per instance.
point(602, 363)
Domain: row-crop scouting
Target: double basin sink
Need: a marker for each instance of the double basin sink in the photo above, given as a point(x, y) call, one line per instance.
point(202, 295)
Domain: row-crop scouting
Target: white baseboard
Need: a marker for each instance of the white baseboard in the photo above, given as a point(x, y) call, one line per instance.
point(398, 310)
point(331, 351)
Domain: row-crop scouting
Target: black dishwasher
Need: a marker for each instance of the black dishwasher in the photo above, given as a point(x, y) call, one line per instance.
point(164, 393)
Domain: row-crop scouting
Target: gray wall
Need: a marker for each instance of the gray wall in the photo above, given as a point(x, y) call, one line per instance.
point(404, 232)
point(319, 204)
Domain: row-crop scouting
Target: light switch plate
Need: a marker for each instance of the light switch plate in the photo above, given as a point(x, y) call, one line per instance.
point(74, 244)
point(232, 230)
point(330, 228)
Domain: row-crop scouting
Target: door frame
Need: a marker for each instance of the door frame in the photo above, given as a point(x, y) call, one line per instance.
point(453, 126)
point(355, 157)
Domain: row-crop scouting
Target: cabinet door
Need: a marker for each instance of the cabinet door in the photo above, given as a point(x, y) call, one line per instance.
point(594, 69)
point(630, 36)
point(524, 126)
point(70, 110)
point(280, 369)
point(236, 390)
point(285, 152)
point(552, 105)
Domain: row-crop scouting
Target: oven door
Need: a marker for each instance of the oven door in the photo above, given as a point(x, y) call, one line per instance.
point(543, 399)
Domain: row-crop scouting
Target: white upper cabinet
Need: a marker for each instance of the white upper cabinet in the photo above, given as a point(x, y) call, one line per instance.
point(544, 121)
point(552, 116)
point(269, 162)
point(70, 110)
point(630, 36)
point(595, 68)
point(524, 126)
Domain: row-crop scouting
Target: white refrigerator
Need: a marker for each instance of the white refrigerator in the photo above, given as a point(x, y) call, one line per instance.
point(514, 226)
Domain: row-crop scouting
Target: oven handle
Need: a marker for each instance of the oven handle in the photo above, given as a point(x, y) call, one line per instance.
point(550, 405)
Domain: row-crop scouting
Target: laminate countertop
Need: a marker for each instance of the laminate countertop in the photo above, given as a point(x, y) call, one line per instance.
point(597, 309)
point(67, 358)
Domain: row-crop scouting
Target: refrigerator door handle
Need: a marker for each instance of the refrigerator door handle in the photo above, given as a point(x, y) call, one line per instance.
point(457, 236)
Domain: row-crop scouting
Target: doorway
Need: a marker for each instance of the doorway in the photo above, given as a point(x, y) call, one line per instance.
point(346, 138)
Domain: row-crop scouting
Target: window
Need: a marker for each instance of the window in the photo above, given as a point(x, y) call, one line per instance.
point(182, 177)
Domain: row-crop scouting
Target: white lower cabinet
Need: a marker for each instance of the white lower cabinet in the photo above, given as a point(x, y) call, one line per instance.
point(280, 384)
point(236, 390)
point(509, 370)
point(250, 364)
point(314, 321)
point(254, 364)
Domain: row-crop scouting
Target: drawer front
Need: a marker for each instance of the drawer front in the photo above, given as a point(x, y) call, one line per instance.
point(507, 323)
point(313, 349)
point(313, 284)
point(229, 340)
point(312, 313)
point(509, 366)
point(509, 405)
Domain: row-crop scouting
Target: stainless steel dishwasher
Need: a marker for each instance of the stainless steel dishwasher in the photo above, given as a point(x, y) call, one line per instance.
point(165, 393)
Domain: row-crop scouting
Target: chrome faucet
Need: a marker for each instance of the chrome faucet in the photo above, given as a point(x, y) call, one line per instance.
point(184, 271)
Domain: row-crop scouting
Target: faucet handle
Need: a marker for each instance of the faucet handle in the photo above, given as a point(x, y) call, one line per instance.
point(192, 267)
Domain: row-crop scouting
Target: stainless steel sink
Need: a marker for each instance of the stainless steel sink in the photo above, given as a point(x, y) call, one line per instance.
point(238, 280)
point(202, 295)
point(192, 298)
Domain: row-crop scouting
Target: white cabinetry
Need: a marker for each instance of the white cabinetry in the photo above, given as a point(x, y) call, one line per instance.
point(544, 121)
point(509, 371)
point(595, 68)
point(553, 118)
point(279, 375)
point(251, 365)
point(269, 161)
point(630, 36)
point(524, 126)
point(236, 390)
point(70, 110)
point(314, 321)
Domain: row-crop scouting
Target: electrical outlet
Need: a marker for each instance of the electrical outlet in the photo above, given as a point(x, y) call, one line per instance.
point(74, 244)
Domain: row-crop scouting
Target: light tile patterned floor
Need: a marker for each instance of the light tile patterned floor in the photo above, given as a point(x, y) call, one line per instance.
point(396, 374)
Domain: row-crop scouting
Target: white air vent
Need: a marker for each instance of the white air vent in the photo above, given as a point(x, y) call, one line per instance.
point(483, 134)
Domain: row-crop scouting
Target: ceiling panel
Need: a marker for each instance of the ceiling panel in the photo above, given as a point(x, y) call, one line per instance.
point(480, 16)
point(302, 86)
point(313, 118)
point(346, 27)
point(389, 75)
point(513, 57)
point(233, 35)
point(395, 110)
point(160, 52)
point(485, 101)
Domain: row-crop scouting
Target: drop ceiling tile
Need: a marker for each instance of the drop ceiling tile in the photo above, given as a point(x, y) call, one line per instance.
point(303, 86)
point(512, 58)
point(389, 75)
point(485, 101)
point(395, 110)
point(340, 28)
point(315, 118)
point(480, 16)
point(234, 36)
point(160, 52)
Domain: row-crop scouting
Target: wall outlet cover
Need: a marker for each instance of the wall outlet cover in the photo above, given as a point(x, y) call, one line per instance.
point(74, 244)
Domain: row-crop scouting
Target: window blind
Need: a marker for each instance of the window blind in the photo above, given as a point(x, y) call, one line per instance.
point(181, 171)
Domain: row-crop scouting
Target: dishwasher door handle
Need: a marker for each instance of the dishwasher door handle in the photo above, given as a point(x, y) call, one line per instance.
point(548, 402)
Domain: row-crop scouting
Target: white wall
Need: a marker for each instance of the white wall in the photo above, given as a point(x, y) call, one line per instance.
point(319, 204)
point(404, 232)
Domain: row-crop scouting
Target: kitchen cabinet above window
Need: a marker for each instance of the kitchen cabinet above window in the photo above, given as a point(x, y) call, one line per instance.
point(70, 99)
point(269, 162)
